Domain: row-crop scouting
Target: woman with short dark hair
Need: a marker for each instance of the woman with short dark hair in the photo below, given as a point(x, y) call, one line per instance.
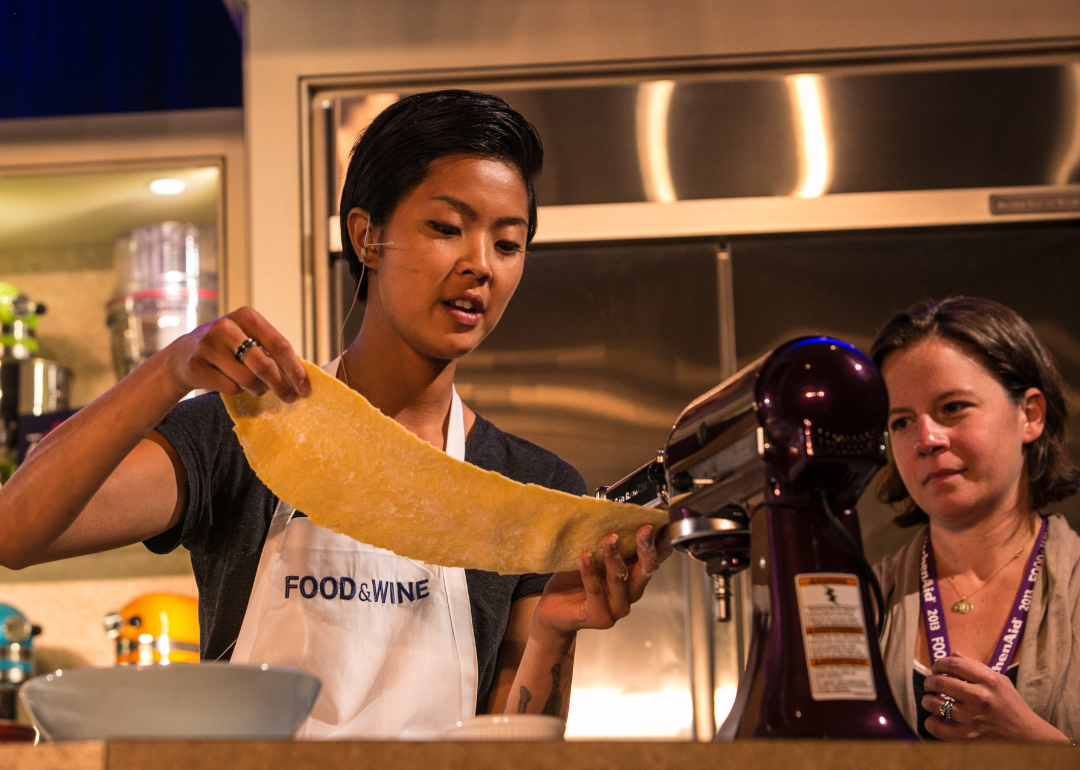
point(983, 605)
point(437, 211)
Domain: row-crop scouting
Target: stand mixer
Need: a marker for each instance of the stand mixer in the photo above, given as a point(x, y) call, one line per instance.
point(763, 472)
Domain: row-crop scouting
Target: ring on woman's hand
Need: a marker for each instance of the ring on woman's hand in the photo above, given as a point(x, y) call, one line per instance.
point(244, 347)
point(944, 711)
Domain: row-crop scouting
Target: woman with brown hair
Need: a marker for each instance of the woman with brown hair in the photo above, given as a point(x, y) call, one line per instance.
point(982, 636)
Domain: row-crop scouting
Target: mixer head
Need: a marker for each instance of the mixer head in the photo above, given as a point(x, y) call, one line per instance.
point(822, 406)
point(806, 419)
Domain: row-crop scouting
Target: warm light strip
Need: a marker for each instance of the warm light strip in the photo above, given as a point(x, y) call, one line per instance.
point(723, 700)
point(39, 388)
point(815, 152)
point(1070, 157)
point(580, 400)
point(653, 103)
point(601, 712)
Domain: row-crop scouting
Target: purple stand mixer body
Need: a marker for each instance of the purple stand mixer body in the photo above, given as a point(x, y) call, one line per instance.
point(793, 437)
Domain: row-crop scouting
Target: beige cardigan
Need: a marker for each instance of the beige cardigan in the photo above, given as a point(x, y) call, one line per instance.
point(1049, 674)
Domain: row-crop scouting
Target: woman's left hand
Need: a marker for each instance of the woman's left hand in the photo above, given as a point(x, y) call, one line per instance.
point(596, 596)
point(985, 705)
point(593, 597)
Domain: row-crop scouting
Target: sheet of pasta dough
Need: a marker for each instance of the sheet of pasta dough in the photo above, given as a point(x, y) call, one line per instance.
point(354, 470)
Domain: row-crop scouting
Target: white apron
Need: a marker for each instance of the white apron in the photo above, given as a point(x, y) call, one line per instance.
point(390, 638)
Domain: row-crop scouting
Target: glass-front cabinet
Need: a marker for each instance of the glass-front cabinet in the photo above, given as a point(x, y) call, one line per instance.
point(117, 234)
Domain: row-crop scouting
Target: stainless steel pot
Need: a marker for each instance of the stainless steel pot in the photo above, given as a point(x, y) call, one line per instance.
point(143, 322)
point(33, 386)
point(28, 386)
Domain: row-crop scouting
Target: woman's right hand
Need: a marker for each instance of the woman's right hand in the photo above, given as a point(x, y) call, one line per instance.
point(205, 358)
point(986, 705)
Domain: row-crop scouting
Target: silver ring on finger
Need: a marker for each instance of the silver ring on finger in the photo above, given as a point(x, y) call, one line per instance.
point(944, 711)
point(243, 348)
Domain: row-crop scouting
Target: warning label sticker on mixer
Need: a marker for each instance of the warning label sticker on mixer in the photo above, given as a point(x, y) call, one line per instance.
point(834, 637)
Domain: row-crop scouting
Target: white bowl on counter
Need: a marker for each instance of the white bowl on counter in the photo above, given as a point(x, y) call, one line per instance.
point(507, 727)
point(178, 701)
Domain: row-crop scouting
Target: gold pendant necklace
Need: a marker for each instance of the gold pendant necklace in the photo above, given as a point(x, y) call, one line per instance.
point(963, 606)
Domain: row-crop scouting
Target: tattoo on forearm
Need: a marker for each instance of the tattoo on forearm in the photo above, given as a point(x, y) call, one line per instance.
point(551, 708)
point(524, 696)
point(558, 703)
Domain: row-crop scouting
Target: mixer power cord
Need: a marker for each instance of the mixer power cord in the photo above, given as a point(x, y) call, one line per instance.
point(864, 565)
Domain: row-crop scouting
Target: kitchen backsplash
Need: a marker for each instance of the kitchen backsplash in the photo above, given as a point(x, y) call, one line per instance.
point(70, 613)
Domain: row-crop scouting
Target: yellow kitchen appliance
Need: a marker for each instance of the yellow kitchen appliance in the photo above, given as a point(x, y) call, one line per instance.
point(156, 628)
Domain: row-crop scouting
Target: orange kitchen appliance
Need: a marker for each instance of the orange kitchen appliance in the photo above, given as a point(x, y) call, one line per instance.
point(156, 628)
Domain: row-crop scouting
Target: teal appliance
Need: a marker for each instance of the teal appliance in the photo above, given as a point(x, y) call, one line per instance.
point(16, 656)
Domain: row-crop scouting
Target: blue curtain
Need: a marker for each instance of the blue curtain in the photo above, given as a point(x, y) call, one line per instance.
point(77, 57)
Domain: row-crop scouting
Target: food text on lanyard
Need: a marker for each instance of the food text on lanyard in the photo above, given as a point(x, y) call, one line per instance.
point(937, 635)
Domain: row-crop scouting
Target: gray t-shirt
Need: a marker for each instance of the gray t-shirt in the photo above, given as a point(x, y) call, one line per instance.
point(229, 512)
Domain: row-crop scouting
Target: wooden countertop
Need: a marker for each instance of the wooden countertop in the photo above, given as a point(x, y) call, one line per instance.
point(296, 755)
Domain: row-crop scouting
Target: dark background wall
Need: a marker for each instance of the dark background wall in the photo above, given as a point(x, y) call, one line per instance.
point(78, 57)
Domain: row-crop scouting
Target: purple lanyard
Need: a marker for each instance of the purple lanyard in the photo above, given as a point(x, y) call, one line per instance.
point(933, 611)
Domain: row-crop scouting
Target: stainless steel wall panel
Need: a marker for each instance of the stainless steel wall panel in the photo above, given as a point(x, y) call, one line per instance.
point(599, 351)
point(595, 357)
point(762, 134)
point(849, 284)
point(605, 344)
point(747, 138)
